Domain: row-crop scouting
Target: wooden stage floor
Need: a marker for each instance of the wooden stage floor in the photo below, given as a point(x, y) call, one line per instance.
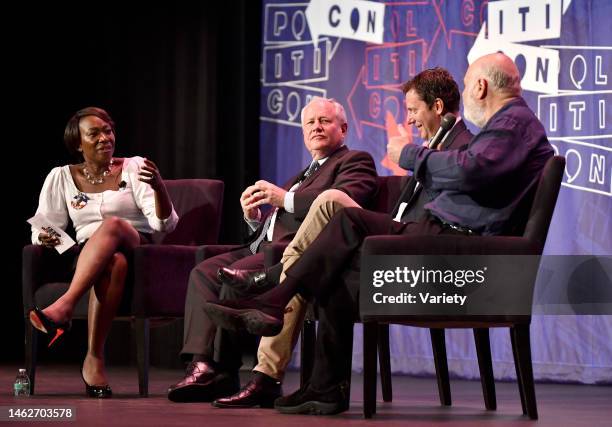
point(415, 403)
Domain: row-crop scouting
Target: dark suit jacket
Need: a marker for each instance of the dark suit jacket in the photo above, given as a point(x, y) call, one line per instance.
point(350, 171)
point(458, 137)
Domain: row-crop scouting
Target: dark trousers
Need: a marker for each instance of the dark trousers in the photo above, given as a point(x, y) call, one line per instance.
point(329, 272)
point(201, 336)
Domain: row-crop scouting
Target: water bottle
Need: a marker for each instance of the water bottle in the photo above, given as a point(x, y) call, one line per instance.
point(22, 384)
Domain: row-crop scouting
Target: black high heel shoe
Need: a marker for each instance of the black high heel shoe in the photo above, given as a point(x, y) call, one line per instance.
point(40, 321)
point(97, 391)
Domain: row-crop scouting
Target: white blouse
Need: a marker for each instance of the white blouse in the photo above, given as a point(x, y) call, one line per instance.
point(135, 203)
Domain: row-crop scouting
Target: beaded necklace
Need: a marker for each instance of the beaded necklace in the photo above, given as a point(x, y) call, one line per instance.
point(95, 180)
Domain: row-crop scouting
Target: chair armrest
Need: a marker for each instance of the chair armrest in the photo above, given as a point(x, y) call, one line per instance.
point(161, 274)
point(273, 253)
point(448, 244)
point(208, 251)
point(42, 265)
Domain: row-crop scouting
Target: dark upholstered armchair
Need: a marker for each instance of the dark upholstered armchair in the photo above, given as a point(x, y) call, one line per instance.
point(530, 242)
point(157, 282)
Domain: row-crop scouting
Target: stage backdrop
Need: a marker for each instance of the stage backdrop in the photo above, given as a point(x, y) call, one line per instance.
point(360, 52)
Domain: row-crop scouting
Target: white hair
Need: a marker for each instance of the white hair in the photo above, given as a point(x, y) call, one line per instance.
point(503, 81)
point(339, 109)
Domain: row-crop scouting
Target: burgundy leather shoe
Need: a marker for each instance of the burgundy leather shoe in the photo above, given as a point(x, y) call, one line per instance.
point(251, 282)
point(202, 383)
point(261, 391)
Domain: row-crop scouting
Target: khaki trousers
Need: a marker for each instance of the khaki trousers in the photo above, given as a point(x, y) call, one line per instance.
point(274, 353)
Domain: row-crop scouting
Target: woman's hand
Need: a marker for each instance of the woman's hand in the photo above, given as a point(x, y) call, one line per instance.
point(150, 174)
point(47, 240)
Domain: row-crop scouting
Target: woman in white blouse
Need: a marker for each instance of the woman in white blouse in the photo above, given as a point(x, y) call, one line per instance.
point(114, 204)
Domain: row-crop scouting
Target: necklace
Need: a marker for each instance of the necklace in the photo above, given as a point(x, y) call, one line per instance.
point(95, 180)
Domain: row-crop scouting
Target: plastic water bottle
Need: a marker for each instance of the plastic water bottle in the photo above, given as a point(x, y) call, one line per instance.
point(22, 384)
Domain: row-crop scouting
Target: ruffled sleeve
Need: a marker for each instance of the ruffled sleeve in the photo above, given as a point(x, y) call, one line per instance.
point(52, 201)
point(145, 198)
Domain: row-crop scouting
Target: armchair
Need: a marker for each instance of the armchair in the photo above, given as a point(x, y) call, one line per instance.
point(157, 281)
point(530, 242)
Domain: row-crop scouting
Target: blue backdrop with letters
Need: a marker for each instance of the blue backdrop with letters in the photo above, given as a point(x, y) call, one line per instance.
point(360, 52)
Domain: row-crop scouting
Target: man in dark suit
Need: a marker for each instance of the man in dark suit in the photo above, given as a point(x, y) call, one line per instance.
point(429, 96)
point(324, 127)
point(473, 190)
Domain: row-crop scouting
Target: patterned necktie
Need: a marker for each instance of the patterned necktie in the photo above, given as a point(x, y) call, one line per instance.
point(255, 244)
point(311, 169)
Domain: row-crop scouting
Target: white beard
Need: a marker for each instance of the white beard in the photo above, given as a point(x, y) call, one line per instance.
point(474, 114)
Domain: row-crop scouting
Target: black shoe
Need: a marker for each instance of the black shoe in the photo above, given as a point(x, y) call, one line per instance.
point(254, 316)
point(306, 400)
point(97, 391)
point(202, 383)
point(40, 321)
point(261, 391)
point(251, 282)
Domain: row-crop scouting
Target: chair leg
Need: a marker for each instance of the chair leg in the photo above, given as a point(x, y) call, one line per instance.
point(31, 348)
point(308, 342)
point(384, 355)
point(485, 365)
point(141, 329)
point(521, 347)
point(519, 380)
point(370, 340)
point(438, 344)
